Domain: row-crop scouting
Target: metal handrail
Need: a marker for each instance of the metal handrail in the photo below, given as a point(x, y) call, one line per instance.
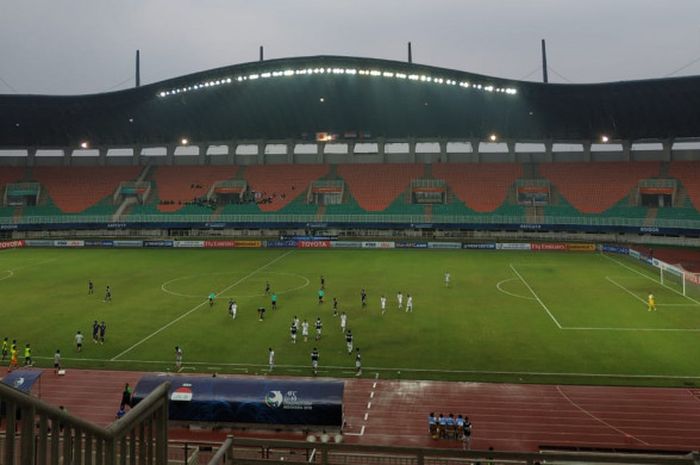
point(225, 449)
point(141, 411)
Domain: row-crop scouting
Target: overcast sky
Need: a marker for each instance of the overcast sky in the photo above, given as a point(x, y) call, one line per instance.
point(86, 46)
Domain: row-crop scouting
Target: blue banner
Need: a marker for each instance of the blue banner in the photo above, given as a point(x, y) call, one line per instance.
point(411, 245)
point(489, 246)
point(22, 379)
point(157, 243)
point(615, 249)
point(89, 243)
point(260, 401)
point(128, 243)
point(281, 244)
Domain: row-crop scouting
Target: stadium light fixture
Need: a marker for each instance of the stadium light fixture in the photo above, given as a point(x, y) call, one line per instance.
point(185, 141)
point(322, 100)
point(84, 144)
point(493, 137)
point(604, 139)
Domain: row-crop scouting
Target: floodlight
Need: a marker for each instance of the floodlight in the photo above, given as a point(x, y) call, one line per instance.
point(84, 145)
point(604, 139)
point(184, 141)
point(493, 137)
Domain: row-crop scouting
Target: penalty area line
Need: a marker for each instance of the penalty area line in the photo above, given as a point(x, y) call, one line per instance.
point(198, 306)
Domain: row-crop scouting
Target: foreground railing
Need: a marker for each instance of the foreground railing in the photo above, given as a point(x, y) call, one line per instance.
point(38, 433)
point(258, 451)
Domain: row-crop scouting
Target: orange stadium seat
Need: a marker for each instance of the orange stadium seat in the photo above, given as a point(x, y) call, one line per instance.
point(594, 187)
point(75, 188)
point(688, 173)
point(282, 183)
point(180, 184)
point(376, 186)
point(482, 187)
point(8, 175)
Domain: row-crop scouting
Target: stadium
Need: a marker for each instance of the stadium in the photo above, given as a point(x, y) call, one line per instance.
point(547, 232)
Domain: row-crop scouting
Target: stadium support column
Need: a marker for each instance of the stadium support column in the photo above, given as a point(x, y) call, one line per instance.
point(102, 156)
point(261, 152)
point(67, 156)
point(320, 156)
point(626, 150)
point(587, 150)
point(666, 150)
point(290, 152)
point(170, 154)
point(31, 156)
point(475, 150)
point(549, 151)
point(136, 159)
point(443, 158)
point(381, 144)
point(412, 150)
point(511, 151)
point(202, 158)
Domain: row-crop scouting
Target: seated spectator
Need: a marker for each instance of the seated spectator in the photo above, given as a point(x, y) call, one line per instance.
point(442, 424)
point(450, 426)
point(459, 422)
point(432, 425)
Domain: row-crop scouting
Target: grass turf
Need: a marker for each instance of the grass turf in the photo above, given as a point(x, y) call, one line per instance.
point(507, 316)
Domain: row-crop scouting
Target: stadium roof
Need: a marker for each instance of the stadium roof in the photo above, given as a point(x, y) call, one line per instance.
point(296, 98)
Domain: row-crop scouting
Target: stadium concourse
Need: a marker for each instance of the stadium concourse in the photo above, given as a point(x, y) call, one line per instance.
point(507, 417)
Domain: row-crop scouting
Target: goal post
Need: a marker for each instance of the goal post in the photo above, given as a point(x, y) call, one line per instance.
point(673, 278)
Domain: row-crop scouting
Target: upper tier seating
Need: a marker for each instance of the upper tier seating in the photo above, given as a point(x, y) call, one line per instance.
point(376, 186)
point(8, 175)
point(483, 187)
point(73, 189)
point(282, 183)
point(688, 173)
point(594, 187)
point(178, 185)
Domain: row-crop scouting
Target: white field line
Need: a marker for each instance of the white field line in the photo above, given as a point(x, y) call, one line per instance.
point(536, 296)
point(642, 300)
point(198, 306)
point(391, 369)
point(649, 330)
point(600, 420)
point(649, 277)
point(11, 272)
point(498, 286)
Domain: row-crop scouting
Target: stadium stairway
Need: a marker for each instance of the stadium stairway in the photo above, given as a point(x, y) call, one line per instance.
point(482, 187)
point(688, 173)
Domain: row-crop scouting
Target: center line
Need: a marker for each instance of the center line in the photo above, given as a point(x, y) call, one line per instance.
point(198, 306)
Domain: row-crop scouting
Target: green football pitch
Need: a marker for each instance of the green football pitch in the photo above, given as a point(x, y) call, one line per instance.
point(506, 316)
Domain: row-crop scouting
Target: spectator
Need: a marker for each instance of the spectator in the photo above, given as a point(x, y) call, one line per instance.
point(432, 425)
point(467, 438)
point(442, 424)
point(126, 397)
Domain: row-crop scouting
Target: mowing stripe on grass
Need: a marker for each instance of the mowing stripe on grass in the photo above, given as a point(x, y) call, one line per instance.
point(649, 277)
point(536, 296)
point(198, 306)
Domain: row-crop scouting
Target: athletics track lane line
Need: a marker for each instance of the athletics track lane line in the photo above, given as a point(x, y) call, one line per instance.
point(198, 306)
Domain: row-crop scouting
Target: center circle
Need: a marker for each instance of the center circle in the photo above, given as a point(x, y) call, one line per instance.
point(6, 274)
point(234, 285)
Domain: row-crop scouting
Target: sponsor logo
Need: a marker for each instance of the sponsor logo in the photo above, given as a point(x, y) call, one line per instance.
point(247, 244)
point(546, 246)
point(38, 243)
point(11, 244)
point(99, 243)
point(411, 245)
point(444, 245)
point(116, 225)
point(346, 244)
point(649, 229)
point(9, 226)
point(491, 246)
point(290, 400)
point(189, 244)
point(513, 246)
point(215, 225)
point(530, 226)
point(182, 394)
point(313, 244)
point(128, 243)
point(377, 245)
point(219, 244)
point(581, 247)
point(69, 243)
point(157, 243)
point(274, 399)
point(616, 249)
point(280, 244)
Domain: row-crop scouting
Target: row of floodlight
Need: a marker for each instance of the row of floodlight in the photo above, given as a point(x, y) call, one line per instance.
point(345, 71)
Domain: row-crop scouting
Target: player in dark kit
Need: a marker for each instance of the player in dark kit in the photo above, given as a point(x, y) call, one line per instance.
point(267, 287)
point(91, 287)
point(108, 294)
point(335, 306)
point(95, 331)
point(103, 329)
point(363, 294)
point(323, 282)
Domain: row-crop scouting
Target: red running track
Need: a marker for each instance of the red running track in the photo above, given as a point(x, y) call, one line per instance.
point(508, 417)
